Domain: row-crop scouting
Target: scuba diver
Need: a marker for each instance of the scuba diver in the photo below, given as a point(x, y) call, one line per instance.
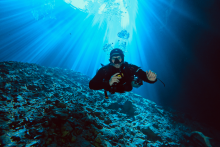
point(119, 76)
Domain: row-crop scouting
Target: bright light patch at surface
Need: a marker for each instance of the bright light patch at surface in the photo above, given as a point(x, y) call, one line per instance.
point(115, 8)
point(81, 4)
point(102, 8)
point(116, 14)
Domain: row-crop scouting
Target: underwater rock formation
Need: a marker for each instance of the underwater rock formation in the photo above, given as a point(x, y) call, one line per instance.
point(53, 107)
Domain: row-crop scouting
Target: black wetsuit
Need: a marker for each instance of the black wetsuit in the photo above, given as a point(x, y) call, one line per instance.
point(101, 79)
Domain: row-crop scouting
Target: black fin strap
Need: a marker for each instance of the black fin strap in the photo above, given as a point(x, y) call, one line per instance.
point(106, 96)
point(161, 82)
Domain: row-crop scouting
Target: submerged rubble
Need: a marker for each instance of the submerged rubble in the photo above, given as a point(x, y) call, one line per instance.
point(54, 107)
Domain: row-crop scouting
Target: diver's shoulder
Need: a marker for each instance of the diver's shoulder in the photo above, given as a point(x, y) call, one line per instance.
point(132, 67)
point(104, 67)
point(129, 64)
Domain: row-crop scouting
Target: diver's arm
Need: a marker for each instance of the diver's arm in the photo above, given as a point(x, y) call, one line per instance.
point(135, 70)
point(98, 83)
point(142, 75)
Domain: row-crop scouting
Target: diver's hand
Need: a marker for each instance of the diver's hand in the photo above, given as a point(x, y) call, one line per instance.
point(151, 75)
point(114, 79)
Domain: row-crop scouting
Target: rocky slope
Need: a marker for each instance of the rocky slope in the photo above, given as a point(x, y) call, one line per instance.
point(54, 107)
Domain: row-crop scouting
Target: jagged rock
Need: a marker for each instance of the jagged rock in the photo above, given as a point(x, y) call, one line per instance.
point(108, 133)
point(73, 139)
point(127, 108)
point(94, 130)
point(89, 109)
point(78, 130)
point(61, 105)
point(81, 142)
point(99, 141)
point(150, 134)
point(66, 129)
point(49, 141)
point(138, 142)
point(61, 115)
point(52, 145)
point(107, 121)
